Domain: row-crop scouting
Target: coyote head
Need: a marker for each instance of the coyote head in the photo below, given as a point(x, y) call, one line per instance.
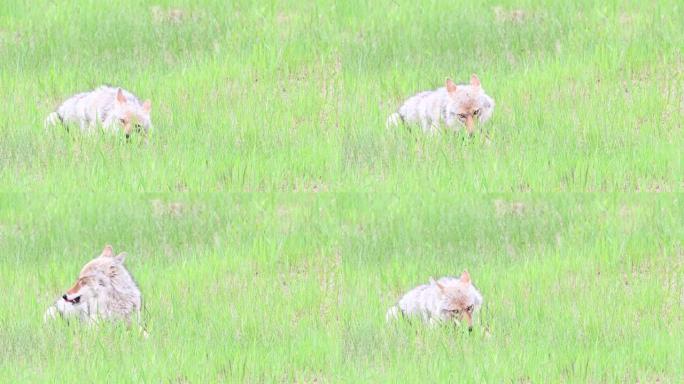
point(469, 104)
point(460, 298)
point(93, 286)
point(95, 277)
point(131, 115)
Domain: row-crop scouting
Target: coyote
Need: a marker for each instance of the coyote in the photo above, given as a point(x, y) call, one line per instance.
point(104, 290)
point(451, 104)
point(447, 299)
point(112, 108)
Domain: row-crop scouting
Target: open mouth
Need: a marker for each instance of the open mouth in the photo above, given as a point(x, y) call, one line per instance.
point(75, 300)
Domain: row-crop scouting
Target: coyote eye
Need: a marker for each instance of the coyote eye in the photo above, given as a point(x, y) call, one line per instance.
point(461, 116)
point(476, 112)
point(470, 308)
point(123, 121)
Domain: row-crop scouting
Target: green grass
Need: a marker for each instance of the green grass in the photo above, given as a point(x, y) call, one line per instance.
point(284, 96)
point(295, 287)
point(247, 279)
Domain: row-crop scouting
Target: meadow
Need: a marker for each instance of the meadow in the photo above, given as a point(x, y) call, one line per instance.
point(293, 96)
point(271, 218)
point(294, 288)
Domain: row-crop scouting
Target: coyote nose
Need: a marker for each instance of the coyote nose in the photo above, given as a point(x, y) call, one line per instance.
point(64, 297)
point(470, 329)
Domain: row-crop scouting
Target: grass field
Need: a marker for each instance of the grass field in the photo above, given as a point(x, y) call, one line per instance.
point(248, 276)
point(264, 288)
point(294, 95)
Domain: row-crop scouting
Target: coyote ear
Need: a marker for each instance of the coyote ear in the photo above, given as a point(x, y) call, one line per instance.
point(474, 81)
point(119, 259)
point(435, 282)
point(450, 85)
point(120, 97)
point(147, 106)
point(107, 251)
point(465, 277)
